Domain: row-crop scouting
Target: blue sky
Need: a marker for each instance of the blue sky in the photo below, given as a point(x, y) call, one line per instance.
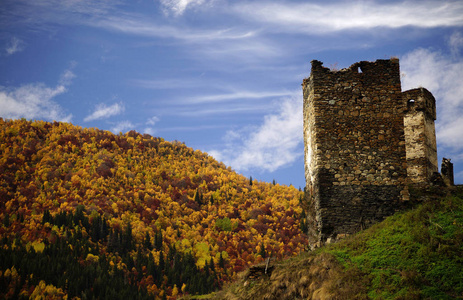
point(222, 76)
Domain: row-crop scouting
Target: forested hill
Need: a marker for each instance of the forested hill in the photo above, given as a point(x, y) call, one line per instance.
point(86, 213)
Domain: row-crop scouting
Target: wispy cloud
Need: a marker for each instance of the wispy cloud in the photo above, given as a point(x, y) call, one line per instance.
point(236, 95)
point(122, 127)
point(161, 84)
point(298, 16)
point(109, 16)
point(67, 77)
point(149, 130)
point(456, 43)
point(233, 99)
point(15, 45)
point(217, 110)
point(269, 146)
point(191, 128)
point(103, 112)
point(150, 125)
point(328, 17)
point(441, 74)
point(152, 121)
point(178, 7)
point(139, 25)
point(245, 50)
point(34, 101)
point(43, 14)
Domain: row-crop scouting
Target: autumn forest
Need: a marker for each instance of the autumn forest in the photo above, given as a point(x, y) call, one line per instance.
point(86, 214)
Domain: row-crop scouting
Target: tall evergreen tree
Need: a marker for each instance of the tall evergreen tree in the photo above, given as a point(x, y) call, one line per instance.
point(147, 242)
point(158, 240)
point(211, 264)
point(113, 241)
point(127, 239)
point(262, 250)
point(46, 217)
point(162, 264)
point(197, 197)
point(221, 261)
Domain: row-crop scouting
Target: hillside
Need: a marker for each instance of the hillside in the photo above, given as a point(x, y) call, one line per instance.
point(417, 254)
point(86, 213)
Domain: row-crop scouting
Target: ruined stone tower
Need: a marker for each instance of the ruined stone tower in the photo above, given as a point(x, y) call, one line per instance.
point(420, 135)
point(355, 145)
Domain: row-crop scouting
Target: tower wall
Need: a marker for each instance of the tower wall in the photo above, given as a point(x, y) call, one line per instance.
point(355, 159)
point(420, 135)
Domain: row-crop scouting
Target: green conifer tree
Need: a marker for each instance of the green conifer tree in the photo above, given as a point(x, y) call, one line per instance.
point(162, 265)
point(211, 264)
point(197, 197)
point(262, 251)
point(158, 240)
point(221, 261)
point(147, 242)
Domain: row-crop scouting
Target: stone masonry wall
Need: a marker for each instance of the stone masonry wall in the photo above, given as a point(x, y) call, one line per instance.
point(356, 169)
point(420, 135)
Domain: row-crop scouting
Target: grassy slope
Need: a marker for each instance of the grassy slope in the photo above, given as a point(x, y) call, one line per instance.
point(412, 255)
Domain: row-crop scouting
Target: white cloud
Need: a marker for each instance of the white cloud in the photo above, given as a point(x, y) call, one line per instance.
point(327, 17)
point(441, 74)
point(103, 112)
point(152, 121)
point(34, 101)
point(149, 130)
point(218, 109)
point(15, 45)
point(257, 17)
point(270, 146)
point(231, 136)
point(109, 16)
point(122, 126)
point(66, 77)
point(456, 43)
point(235, 95)
point(178, 7)
point(191, 128)
point(139, 25)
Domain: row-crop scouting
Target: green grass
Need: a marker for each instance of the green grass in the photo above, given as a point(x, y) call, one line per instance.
point(414, 254)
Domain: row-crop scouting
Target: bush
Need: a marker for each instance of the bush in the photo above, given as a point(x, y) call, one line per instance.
point(226, 224)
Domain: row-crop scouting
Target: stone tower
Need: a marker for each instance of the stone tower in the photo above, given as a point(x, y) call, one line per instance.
point(420, 135)
point(355, 145)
